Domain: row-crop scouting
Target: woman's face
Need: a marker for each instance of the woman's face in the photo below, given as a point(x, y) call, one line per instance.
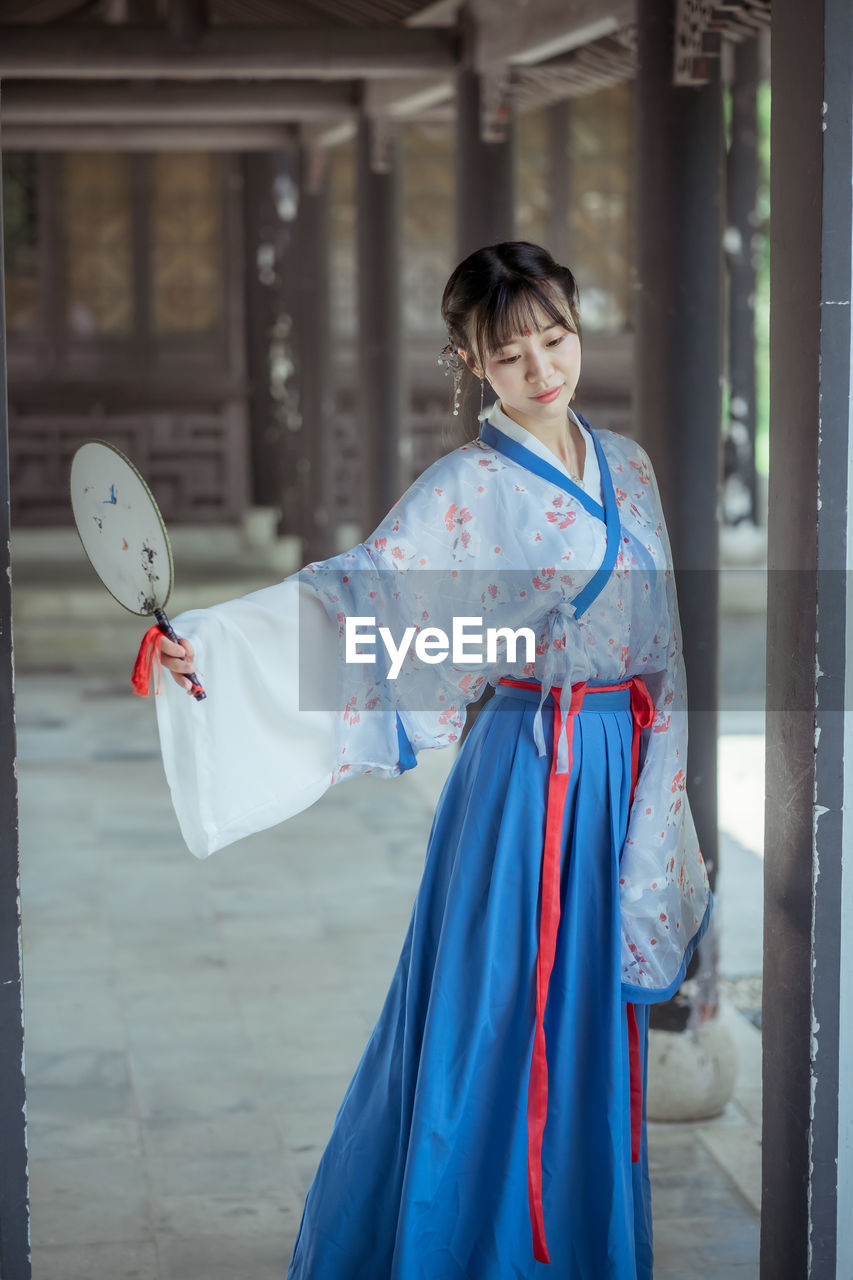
point(535, 375)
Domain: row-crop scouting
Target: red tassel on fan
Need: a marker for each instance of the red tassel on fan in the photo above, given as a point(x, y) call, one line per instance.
point(149, 654)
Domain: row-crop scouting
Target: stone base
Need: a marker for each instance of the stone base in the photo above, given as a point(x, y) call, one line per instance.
point(691, 1074)
point(260, 527)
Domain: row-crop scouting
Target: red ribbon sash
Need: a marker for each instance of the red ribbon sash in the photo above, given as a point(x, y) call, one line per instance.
point(642, 712)
point(636, 1083)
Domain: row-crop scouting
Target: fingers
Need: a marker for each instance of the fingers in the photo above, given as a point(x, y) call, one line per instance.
point(177, 659)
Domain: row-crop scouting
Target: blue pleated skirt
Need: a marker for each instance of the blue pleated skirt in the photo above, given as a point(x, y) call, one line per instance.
point(425, 1173)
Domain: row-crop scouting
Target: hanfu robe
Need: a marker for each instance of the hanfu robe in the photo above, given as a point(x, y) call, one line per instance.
point(500, 1100)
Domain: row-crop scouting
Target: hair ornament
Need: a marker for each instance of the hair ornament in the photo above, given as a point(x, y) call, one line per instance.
point(451, 362)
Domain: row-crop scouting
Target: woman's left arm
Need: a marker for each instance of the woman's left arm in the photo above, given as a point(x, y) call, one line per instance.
point(665, 895)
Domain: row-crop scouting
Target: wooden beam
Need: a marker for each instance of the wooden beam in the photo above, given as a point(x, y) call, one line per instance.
point(35, 11)
point(336, 135)
point(441, 13)
point(154, 137)
point(405, 99)
point(50, 101)
point(269, 53)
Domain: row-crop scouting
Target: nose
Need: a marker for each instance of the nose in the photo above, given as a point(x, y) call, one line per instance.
point(537, 366)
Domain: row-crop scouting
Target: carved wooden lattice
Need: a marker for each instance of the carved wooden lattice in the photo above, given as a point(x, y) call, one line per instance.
point(20, 230)
point(98, 250)
point(194, 462)
point(700, 27)
point(186, 244)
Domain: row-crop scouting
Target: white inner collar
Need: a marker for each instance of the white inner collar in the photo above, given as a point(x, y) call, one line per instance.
point(591, 473)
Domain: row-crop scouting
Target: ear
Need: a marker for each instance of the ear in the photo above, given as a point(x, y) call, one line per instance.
point(471, 363)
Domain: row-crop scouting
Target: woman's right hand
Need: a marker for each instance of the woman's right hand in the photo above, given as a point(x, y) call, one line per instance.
point(177, 659)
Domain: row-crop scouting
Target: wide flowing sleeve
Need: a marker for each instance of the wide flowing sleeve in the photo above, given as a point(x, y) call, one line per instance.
point(250, 755)
point(664, 889)
point(303, 689)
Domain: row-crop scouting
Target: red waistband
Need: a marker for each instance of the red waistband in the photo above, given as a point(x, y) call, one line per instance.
point(537, 684)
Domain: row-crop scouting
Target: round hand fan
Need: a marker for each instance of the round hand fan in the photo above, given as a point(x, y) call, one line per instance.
point(123, 534)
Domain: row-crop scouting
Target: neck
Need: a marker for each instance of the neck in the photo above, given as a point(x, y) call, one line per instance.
point(561, 435)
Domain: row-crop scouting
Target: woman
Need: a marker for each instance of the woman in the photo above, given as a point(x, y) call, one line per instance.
point(496, 1121)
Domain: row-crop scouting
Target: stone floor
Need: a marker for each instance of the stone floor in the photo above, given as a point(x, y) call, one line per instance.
point(191, 1026)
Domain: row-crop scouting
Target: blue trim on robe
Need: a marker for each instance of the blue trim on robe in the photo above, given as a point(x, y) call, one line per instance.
point(524, 457)
point(408, 759)
point(596, 584)
point(657, 995)
point(609, 513)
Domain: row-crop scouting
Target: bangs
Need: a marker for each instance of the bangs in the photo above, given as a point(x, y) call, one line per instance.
point(515, 305)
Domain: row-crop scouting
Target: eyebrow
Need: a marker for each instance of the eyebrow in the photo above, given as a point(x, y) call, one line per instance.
point(557, 324)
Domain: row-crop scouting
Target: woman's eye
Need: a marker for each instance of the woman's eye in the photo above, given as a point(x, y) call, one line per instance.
point(508, 360)
point(555, 342)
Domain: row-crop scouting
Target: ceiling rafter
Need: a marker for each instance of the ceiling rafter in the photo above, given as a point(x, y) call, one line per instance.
point(511, 34)
point(60, 73)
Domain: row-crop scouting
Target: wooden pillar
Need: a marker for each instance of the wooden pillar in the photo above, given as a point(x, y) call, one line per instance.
point(379, 344)
point(560, 183)
point(741, 236)
point(485, 194)
point(14, 1202)
point(318, 399)
point(187, 20)
point(807, 1229)
point(271, 206)
point(678, 357)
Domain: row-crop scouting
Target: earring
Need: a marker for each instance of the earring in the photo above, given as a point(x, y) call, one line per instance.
point(482, 394)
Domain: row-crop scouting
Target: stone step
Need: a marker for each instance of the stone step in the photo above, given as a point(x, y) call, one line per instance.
point(74, 626)
point(63, 616)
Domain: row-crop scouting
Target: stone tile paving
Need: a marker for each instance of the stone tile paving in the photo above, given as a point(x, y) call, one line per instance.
point(191, 1026)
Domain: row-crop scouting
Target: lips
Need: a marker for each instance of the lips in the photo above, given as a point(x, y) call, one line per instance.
point(547, 396)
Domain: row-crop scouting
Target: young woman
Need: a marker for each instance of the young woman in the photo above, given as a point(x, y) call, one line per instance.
point(496, 1122)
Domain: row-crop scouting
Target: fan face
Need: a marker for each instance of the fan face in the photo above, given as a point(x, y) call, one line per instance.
point(121, 528)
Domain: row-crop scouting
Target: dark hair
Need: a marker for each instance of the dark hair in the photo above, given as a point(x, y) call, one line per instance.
point(499, 291)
